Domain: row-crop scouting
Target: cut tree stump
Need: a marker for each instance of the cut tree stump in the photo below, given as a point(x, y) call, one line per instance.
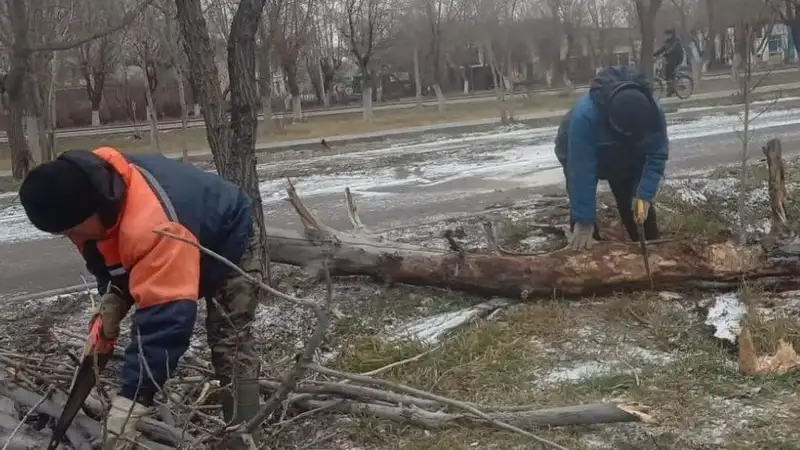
point(777, 186)
point(606, 268)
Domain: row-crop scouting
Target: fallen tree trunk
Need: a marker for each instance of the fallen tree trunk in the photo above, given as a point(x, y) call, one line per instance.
point(608, 267)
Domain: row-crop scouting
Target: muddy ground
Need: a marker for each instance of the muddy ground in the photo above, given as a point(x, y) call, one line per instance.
point(651, 348)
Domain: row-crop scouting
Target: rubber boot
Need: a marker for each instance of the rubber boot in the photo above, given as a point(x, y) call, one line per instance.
point(248, 395)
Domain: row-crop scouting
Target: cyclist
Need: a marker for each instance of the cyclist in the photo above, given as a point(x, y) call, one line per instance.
point(672, 49)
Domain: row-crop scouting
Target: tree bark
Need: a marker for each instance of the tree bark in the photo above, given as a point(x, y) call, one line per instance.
point(325, 99)
point(417, 78)
point(647, 10)
point(608, 267)
point(777, 186)
point(155, 142)
point(21, 159)
point(184, 110)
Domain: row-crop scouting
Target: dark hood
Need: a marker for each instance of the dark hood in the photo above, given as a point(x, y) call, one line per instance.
point(104, 179)
point(612, 79)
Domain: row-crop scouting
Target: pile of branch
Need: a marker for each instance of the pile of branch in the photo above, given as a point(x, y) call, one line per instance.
point(187, 415)
point(187, 409)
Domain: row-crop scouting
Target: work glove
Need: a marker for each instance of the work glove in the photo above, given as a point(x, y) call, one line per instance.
point(582, 236)
point(104, 326)
point(122, 419)
point(640, 210)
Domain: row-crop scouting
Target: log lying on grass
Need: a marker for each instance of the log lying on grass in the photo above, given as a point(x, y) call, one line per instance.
point(608, 267)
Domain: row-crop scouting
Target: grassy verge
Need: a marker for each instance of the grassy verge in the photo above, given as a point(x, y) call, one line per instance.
point(635, 349)
point(314, 127)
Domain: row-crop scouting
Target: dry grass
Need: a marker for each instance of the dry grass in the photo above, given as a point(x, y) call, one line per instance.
point(697, 395)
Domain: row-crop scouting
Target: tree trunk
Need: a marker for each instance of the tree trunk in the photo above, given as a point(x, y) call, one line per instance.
point(505, 114)
point(265, 80)
point(777, 186)
point(647, 10)
point(417, 77)
point(34, 107)
point(440, 100)
point(232, 144)
point(32, 135)
point(325, 99)
point(608, 267)
point(184, 111)
point(294, 91)
point(297, 108)
point(366, 99)
point(52, 108)
point(155, 143)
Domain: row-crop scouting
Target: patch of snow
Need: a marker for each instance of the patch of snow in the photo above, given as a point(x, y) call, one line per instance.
point(535, 241)
point(692, 197)
point(670, 296)
point(726, 316)
point(430, 330)
point(15, 227)
point(626, 358)
point(758, 196)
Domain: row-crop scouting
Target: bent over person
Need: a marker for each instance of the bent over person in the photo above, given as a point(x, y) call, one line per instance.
point(110, 205)
point(615, 132)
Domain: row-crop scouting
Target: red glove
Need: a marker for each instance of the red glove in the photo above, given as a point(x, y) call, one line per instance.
point(98, 343)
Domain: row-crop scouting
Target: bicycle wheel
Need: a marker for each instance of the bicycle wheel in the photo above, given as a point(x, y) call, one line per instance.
point(684, 86)
point(658, 88)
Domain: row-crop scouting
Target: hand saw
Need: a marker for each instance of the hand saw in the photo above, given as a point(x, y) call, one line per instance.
point(85, 380)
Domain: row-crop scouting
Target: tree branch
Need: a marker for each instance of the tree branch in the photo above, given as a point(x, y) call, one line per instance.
point(126, 20)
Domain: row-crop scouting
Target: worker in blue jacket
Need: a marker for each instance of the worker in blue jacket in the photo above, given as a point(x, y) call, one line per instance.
point(615, 132)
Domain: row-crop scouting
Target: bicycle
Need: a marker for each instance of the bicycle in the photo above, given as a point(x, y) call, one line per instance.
point(684, 84)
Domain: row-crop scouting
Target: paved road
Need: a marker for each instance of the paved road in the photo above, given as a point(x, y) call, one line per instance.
point(403, 183)
point(193, 123)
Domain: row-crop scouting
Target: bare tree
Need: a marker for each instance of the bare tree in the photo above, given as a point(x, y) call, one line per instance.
point(264, 62)
point(435, 12)
point(146, 43)
point(176, 60)
point(232, 142)
point(327, 55)
point(603, 17)
point(751, 22)
point(97, 59)
point(366, 29)
point(40, 115)
point(646, 11)
point(489, 18)
point(569, 16)
point(16, 35)
point(699, 31)
point(290, 22)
